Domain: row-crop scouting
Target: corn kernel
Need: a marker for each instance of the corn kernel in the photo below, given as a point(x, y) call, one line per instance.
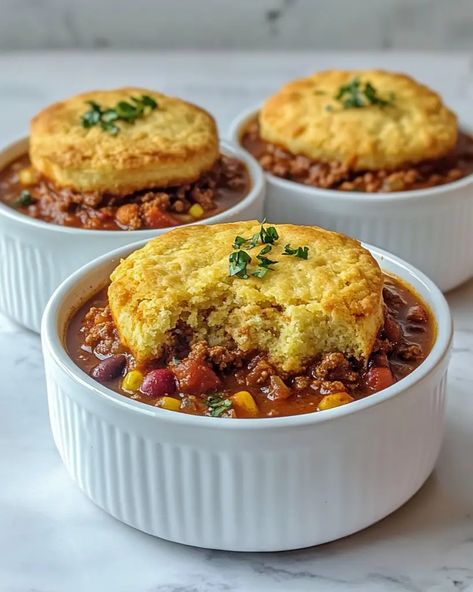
point(169, 403)
point(132, 381)
point(334, 400)
point(28, 176)
point(244, 404)
point(196, 211)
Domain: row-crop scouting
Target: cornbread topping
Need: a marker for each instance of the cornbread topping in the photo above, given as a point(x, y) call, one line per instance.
point(168, 142)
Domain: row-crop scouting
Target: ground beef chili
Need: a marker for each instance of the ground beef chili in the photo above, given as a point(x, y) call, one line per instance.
point(221, 382)
point(336, 175)
point(217, 190)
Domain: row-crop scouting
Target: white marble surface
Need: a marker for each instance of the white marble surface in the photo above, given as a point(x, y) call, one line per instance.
point(52, 539)
point(261, 24)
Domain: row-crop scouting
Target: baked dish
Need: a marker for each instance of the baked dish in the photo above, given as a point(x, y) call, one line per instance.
point(124, 159)
point(250, 320)
point(360, 130)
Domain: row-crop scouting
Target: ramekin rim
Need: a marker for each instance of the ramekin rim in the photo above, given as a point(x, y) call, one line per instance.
point(347, 196)
point(53, 346)
point(258, 184)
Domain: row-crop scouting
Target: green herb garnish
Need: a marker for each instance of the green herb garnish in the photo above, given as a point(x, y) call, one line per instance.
point(264, 264)
point(264, 261)
point(356, 95)
point(239, 242)
point(246, 243)
point(268, 235)
point(218, 405)
point(240, 259)
point(301, 252)
point(260, 272)
point(25, 199)
point(372, 95)
point(238, 262)
point(127, 111)
point(350, 95)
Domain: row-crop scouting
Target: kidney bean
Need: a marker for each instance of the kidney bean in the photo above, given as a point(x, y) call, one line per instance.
point(412, 328)
point(417, 314)
point(392, 330)
point(109, 368)
point(158, 383)
point(392, 298)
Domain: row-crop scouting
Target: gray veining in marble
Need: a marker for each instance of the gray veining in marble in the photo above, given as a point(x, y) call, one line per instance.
point(52, 539)
point(253, 24)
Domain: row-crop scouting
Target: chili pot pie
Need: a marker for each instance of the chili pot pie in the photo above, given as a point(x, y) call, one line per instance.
point(360, 130)
point(124, 159)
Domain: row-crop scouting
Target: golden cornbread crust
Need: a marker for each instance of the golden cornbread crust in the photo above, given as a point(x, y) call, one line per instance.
point(305, 118)
point(171, 145)
point(330, 302)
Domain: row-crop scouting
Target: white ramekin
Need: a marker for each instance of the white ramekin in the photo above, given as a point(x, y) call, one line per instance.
point(430, 228)
point(36, 256)
point(245, 485)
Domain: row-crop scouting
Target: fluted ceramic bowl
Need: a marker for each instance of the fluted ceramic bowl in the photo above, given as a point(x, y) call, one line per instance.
point(431, 228)
point(244, 484)
point(35, 256)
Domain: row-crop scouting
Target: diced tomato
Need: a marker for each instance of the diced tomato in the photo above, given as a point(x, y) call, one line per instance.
point(378, 378)
point(196, 377)
point(155, 217)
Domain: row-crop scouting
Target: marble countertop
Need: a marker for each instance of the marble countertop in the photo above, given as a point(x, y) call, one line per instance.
point(53, 539)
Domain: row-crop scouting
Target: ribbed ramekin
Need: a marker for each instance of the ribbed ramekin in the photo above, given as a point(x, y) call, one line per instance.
point(430, 228)
point(245, 485)
point(36, 256)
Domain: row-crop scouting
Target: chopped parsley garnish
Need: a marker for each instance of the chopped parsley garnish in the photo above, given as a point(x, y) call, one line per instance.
point(267, 235)
point(260, 272)
point(301, 252)
point(25, 199)
point(240, 259)
point(218, 405)
point(264, 251)
point(238, 262)
point(356, 95)
point(128, 111)
point(264, 264)
point(239, 242)
point(246, 243)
